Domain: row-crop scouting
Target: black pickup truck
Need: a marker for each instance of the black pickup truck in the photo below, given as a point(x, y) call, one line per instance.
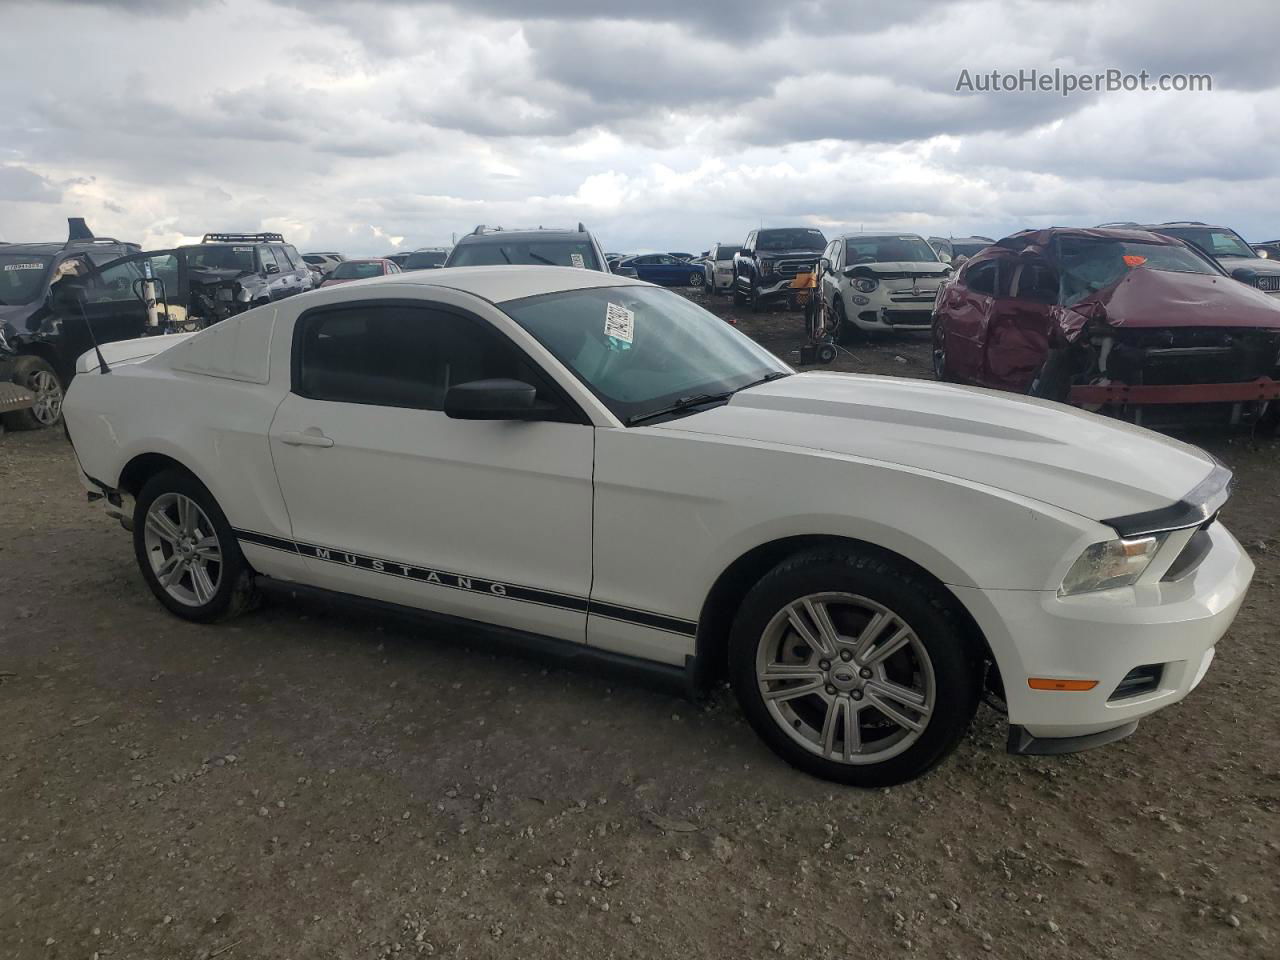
point(770, 259)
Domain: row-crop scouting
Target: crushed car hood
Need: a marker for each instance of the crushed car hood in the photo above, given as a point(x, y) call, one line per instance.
point(1159, 298)
point(1045, 451)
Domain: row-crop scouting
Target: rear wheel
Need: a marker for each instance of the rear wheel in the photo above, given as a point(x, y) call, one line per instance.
point(940, 369)
point(187, 551)
point(850, 666)
point(36, 375)
point(696, 279)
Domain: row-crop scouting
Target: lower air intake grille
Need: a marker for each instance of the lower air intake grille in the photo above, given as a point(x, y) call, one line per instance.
point(1138, 681)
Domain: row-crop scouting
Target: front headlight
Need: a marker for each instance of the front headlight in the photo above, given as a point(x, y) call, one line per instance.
point(1115, 563)
point(865, 284)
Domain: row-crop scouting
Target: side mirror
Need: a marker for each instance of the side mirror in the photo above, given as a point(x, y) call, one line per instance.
point(824, 265)
point(944, 256)
point(744, 252)
point(273, 268)
point(66, 292)
point(490, 400)
point(1246, 275)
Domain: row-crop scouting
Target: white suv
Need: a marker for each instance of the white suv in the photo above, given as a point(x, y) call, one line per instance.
point(879, 281)
point(718, 267)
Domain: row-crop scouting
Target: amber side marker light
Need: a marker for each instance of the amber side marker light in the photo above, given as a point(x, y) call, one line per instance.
point(1049, 683)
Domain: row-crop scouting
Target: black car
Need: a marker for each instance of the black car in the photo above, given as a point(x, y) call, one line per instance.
point(34, 345)
point(494, 246)
point(1225, 246)
point(424, 258)
point(144, 292)
point(769, 261)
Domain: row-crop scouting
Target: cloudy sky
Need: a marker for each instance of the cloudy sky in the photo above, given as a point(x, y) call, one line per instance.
point(367, 125)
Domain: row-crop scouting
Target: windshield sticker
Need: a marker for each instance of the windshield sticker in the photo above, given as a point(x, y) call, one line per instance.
point(24, 266)
point(1134, 260)
point(619, 324)
point(243, 249)
point(576, 260)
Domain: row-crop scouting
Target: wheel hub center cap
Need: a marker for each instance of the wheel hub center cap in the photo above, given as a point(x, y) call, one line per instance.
point(845, 678)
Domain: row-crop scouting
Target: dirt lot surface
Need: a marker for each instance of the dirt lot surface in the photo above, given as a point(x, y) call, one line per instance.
point(310, 784)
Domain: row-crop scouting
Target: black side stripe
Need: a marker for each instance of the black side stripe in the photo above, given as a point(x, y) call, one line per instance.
point(457, 581)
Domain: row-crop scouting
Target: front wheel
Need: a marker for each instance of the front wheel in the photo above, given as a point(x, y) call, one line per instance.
point(187, 551)
point(696, 280)
point(42, 380)
point(738, 299)
point(850, 666)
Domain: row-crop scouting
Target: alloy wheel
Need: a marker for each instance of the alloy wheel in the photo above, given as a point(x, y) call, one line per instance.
point(695, 279)
point(182, 546)
point(846, 678)
point(48, 397)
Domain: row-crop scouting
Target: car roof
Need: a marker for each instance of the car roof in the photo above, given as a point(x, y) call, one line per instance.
point(1042, 238)
point(49, 248)
point(872, 234)
point(500, 284)
point(504, 236)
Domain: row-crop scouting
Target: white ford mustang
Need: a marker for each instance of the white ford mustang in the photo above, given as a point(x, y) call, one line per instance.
point(586, 459)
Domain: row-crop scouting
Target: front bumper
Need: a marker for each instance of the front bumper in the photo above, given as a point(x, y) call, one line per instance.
point(1259, 390)
point(1105, 636)
point(12, 396)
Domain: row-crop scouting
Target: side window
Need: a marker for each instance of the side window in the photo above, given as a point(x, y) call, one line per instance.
point(283, 258)
point(1037, 282)
point(268, 259)
point(405, 356)
point(115, 283)
point(981, 278)
point(751, 241)
point(665, 260)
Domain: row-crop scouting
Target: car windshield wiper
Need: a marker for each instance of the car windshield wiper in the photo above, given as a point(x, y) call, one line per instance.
point(539, 257)
point(698, 400)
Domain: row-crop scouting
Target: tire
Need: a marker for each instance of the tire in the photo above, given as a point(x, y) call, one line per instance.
point(696, 280)
point(756, 305)
point(941, 370)
point(226, 588)
point(738, 299)
point(36, 375)
point(846, 332)
point(916, 652)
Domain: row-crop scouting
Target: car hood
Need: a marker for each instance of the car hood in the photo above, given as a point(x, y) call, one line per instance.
point(1159, 298)
point(1037, 449)
point(903, 268)
point(13, 316)
point(1263, 265)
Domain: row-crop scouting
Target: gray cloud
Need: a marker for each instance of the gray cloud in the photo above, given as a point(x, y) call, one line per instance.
point(20, 185)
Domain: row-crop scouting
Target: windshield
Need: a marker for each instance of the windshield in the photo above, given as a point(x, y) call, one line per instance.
point(1216, 243)
point(555, 253)
point(790, 240)
point(1090, 265)
point(960, 248)
point(639, 348)
point(355, 270)
point(21, 277)
point(422, 259)
point(725, 251)
point(211, 257)
point(888, 249)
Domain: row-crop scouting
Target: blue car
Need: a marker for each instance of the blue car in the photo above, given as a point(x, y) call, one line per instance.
point(667, 270)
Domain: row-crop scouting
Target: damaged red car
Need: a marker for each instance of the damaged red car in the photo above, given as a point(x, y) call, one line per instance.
point(1123, 322)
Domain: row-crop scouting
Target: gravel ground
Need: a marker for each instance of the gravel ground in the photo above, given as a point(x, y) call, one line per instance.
point(310, 783)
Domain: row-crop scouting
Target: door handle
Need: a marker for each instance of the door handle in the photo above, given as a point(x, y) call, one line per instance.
point(307, 438)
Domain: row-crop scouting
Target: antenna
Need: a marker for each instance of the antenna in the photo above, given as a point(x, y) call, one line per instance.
point(102, 361)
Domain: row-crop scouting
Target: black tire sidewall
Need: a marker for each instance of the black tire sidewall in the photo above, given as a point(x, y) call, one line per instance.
point(895, 586)
point(236, 575)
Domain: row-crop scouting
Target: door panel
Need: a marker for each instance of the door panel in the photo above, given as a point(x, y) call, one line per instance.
point(1017, 340)
point(489, 520)
point(965, 316)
